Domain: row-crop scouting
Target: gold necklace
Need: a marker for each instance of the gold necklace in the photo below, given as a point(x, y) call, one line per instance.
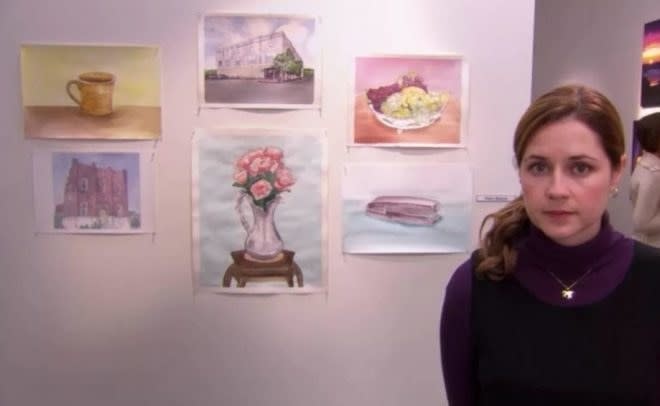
point(568, 292)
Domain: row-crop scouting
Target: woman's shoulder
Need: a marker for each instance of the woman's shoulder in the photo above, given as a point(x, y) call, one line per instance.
point(645, 271)
point(459, 287)
point(650, 161)
point(646, 255)
point(457, 303)
point(645, 265)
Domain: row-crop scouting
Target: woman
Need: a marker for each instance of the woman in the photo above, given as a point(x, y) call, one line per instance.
point(645, 182)
point(556, 307)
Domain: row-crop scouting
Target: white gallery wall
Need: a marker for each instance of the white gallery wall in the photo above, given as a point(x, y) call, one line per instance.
point(112, 320)
point(598, 43)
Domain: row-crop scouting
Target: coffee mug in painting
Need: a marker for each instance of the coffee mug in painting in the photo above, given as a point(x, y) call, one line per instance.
point(95, 89)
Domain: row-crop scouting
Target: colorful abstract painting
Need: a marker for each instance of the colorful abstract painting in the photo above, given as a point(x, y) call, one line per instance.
point(651, 65)
point(78, 191)
point(259, 61)
point(406, 208)
point(258, 211)
point(91, 91)
point(417, 101)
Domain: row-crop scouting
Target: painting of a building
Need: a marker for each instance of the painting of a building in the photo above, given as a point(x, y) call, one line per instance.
point(94, 193)
point(256, 57)
point(259, 61)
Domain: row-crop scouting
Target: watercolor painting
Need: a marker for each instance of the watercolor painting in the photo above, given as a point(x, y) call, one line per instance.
point(91, 192)
point(91, 92)
point(415, 101)
point(259, 61)
point(651, 65)
point(257, 211)
point(406, 208)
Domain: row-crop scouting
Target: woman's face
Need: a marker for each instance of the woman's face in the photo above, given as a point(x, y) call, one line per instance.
point(566, 181)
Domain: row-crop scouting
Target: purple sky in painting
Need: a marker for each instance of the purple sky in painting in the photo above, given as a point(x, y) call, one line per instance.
point(652, 33)
point(651, 47)
point(438, 74)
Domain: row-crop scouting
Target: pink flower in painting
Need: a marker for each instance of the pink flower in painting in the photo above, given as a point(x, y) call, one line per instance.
point(262, 174)
point(283, 179)
point(255, 153)
point(274, 153)
point(265, 164)
point(243, 162)
point(254, 166)
point(261, 189)
point(240, 177)
point(259, 165)
point(246, 159)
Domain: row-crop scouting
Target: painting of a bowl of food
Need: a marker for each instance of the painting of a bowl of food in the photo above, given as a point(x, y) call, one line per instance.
point(406, 104)
point(408, 101)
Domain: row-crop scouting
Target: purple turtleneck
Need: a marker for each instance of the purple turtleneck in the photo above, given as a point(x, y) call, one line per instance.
point(608, 255)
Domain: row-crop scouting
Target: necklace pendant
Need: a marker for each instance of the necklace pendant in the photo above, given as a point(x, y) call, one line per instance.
point(567, 294)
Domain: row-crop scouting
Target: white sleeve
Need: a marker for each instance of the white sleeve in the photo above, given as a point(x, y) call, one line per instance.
point(646, 209)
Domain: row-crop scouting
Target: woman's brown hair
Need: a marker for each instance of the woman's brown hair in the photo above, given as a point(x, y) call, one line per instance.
point(647, 130)
point(497, 253)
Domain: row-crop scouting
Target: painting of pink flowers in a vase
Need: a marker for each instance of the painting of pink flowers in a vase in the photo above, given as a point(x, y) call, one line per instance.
point(262, 177)
point(257, 211)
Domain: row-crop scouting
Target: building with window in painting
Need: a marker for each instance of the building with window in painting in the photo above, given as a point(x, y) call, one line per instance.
point(94, 196)
point(254, 58)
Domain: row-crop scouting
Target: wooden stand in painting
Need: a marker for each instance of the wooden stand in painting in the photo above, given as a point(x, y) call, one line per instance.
point(244, 269)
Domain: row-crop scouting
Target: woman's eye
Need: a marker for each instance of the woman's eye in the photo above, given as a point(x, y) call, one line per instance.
point(537, 168)
point(580, 168)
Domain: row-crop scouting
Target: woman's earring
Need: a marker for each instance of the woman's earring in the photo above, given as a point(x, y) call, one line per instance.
point(614, 191)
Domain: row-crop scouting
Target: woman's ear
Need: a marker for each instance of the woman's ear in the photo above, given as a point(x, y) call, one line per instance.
point(618, 171)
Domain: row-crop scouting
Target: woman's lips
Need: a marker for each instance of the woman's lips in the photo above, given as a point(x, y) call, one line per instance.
point(557, 213)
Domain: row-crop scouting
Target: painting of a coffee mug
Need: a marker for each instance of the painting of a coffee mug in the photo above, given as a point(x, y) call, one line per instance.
point(94, 92)
point(91, 91)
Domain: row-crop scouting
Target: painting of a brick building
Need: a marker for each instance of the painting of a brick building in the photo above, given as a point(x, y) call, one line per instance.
point(94, 191)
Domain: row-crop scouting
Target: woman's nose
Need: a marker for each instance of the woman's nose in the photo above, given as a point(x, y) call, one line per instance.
point(557, 186)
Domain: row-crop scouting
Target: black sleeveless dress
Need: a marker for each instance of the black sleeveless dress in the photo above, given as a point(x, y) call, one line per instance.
point(531, 353)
